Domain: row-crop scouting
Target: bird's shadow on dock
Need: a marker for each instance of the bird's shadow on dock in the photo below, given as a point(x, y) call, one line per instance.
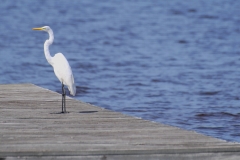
point(88, 111)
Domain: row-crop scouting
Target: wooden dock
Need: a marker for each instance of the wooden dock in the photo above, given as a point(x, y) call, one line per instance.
point(31, 129)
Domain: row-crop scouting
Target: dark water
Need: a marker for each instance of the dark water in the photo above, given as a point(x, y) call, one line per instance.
point(175, 62)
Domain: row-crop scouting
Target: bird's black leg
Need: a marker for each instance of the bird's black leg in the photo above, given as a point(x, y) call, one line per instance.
point(63, 99)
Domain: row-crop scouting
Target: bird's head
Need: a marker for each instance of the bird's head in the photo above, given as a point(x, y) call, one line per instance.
point(45, 28)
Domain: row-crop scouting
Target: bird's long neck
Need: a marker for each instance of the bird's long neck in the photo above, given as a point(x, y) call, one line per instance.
point(47, 43)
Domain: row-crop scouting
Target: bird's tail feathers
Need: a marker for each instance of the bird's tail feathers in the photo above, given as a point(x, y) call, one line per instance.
point(72, 89)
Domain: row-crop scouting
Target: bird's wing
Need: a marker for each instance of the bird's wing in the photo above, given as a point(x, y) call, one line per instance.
point(63, 72)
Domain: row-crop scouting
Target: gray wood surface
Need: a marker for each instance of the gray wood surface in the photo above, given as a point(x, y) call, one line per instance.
point(30, 127)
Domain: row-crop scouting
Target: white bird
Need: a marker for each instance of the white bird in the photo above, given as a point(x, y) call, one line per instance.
point(60, 66)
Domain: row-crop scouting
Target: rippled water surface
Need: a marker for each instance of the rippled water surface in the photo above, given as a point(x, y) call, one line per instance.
point(175, 62)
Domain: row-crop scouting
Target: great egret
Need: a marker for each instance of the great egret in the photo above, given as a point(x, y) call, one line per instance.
point(60, 66)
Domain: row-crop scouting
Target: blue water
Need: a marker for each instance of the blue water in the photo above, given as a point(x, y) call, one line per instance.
point(174, 62)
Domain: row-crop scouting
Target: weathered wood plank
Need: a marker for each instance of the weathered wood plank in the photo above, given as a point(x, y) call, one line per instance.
point(30, 127)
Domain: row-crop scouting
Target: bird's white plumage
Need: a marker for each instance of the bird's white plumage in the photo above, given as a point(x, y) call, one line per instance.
point(59, 63)
point(63, 72)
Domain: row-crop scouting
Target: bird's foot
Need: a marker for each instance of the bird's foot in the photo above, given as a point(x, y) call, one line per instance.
point(64, 112)
point(60, 113)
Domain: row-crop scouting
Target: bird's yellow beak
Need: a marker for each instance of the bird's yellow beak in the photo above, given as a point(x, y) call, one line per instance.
point(37, 29)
